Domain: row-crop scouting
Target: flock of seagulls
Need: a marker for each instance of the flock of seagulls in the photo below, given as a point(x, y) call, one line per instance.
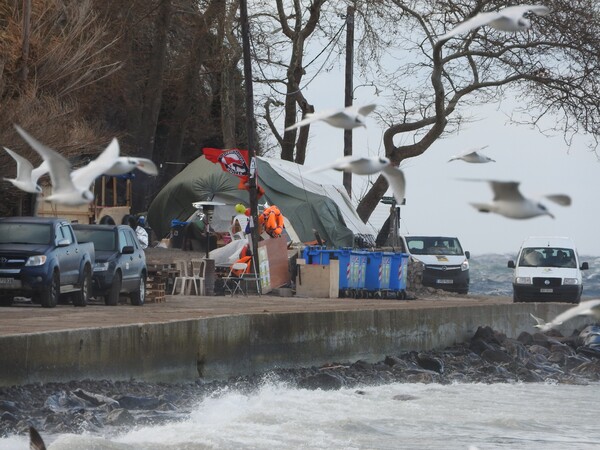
point(508, 200)
point(71, 187)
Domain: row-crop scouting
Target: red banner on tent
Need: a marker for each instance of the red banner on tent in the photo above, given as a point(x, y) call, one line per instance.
point(234, 161)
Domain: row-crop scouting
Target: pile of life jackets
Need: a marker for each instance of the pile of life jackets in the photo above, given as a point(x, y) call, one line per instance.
point(271, 220)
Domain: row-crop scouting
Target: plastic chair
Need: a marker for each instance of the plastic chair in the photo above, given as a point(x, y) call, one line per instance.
point(199, 274)
point(233, 282)
point(186, 280)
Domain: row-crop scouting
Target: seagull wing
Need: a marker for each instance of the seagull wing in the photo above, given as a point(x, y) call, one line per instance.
point(39, 171)
point(367, 109)
point(561, 199)
point(311, 117)
point(343, 163)
point(147, 166)
point(24, 167)
point(84, 176)
point(470, 24)
point(506, 190)
point(518, 11)
point(396, 180)
point(539, 322)
point(59, 166)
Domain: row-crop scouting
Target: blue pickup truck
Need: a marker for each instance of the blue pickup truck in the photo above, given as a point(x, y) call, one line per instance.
point(41, 258)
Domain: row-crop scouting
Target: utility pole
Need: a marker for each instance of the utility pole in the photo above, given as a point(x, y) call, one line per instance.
point(250, 133)
point(348, 100)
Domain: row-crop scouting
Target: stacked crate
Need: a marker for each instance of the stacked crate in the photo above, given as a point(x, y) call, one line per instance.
point(157, 284)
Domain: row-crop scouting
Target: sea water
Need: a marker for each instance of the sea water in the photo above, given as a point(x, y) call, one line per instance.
point(394, 416)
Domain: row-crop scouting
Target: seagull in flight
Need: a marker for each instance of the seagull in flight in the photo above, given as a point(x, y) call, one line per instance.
point(72, 188)
point(473, 156)
point(27, 176)
point(126, 164)
point(509, 202)
point(511, 19)
point(361, 165)
point(347, 118)
point(587, 308)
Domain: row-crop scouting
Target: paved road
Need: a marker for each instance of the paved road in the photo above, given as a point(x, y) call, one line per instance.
point(24, 318)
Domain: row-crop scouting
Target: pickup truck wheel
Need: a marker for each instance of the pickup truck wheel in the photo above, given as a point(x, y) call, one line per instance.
point(81, 298)
point(112, 297)
point(6, 300)
point(49, 297)
point(139, 296)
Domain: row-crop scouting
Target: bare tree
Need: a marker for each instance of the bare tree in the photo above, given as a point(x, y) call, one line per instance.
point(553, 67)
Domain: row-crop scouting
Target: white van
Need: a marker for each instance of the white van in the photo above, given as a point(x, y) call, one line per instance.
point(446, 264)
point(547, 269)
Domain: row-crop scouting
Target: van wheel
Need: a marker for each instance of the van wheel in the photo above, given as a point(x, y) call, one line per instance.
point(112, 297)
point(517, 299)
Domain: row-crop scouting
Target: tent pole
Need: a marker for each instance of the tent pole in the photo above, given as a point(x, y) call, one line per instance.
point(250, 132)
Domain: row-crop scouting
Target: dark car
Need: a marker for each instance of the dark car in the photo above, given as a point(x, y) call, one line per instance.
point(120, 262)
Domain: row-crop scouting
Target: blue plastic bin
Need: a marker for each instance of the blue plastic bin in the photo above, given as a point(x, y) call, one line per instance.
point(378, 272)
point(399, 272)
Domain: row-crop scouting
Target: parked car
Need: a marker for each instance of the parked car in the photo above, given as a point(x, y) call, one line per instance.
point(41, 258)
point(120, 262)
point(446, 264)
point(547, 269)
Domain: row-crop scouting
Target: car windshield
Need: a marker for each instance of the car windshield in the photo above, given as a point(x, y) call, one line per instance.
point(25, 233)
point(104, 240)
point(548, 257)
point(433, 245)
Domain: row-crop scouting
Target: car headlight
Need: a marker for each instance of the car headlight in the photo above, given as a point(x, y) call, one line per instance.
point(523, 280)
point(570, 281)
point(464, 265)
point(35, 260)
point(100, 266)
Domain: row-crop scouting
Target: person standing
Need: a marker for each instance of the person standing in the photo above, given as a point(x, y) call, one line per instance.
point(141, 232)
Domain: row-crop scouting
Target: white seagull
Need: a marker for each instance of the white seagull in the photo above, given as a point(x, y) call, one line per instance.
point(27, 176)
point(473, 156)
point(347, 118)
point(511, 18)
point(509, 202)
point(587, 308)
point(126, 164)
point(360, 165)
point(72, 188)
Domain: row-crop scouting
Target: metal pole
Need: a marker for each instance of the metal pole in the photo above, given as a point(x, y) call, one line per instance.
point(250, 133)
point(348, 99)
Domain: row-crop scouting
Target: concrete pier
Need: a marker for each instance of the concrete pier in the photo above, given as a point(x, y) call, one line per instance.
point(217, 337)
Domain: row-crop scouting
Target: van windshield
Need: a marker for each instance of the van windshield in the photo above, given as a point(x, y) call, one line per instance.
point(433, 245)
point(548, 257)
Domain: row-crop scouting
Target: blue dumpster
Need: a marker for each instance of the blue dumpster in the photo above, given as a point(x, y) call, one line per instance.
point(353, 273)
point(398, 274)
point(378, 273)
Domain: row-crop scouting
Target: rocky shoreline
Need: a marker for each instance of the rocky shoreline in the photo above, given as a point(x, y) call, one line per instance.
point(489, 357)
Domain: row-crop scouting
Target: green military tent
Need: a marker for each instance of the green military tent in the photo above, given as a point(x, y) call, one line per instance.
point(307, 201)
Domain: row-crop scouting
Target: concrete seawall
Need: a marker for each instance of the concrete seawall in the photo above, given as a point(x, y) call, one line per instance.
point(219, 347)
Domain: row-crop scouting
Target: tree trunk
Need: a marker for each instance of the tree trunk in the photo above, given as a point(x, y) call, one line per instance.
point(151, 103)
